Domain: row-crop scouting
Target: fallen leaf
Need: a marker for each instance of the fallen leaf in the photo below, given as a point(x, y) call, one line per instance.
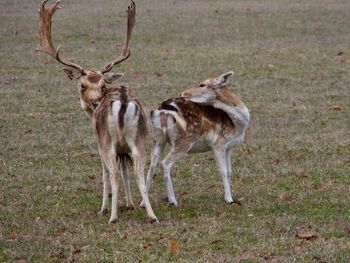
point(266, 255)
point(326, 186)
point(336, 108)
point(147, 245)
point(270, 67)
point(307, 235)
point(174, 246)
point(276, 161)
point(29, 131)
point(347, 229)
point(302, 175)
point(286, 197)
point(319, 259)
point(240, 201)
point(158, 74)
point(340, 53)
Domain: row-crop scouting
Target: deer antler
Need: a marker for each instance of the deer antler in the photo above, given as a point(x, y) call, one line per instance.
point(131, 12)
point(46, 44)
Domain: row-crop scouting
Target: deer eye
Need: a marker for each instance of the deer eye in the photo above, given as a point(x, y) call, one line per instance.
point(202, 85)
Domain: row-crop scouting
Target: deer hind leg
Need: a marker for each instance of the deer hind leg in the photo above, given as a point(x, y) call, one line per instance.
point(229, 164)
point(126, 182)
point(139, 166)
point(172, 157)
point(220, 160)
point(111, 163)
point(106, 188)
point(154, 161)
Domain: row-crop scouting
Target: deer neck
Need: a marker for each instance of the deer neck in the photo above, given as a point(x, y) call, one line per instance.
point(234, 107)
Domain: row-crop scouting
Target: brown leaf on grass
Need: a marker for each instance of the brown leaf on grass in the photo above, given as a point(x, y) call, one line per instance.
point(174, 246)
point(240, 201)
point(319, 259)
point(29, 131)
point(307, 235)
point(336, 108)
point(147, 245)
point(326, 186)
point(276, 161)
point(286, 197)
point(267, 255)
point(158, 74)
point(270, 67)
point(216, 241)
point(302, 175)
point(347, 229)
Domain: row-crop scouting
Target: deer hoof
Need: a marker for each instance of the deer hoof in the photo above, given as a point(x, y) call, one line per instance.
point(103, 211)
point(112, 221)
point(154, 220)
point(173, 203)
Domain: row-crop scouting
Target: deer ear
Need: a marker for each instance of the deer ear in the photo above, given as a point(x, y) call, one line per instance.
point(110, 77)
point(72, 73)
point(223, 79)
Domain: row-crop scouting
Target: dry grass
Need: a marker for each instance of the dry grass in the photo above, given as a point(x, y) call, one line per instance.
point(292, 63)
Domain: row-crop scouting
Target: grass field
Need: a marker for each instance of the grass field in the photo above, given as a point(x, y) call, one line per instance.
point(292, 174)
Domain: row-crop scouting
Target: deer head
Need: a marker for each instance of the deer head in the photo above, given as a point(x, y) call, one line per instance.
point(91, 83)
point(208, 90)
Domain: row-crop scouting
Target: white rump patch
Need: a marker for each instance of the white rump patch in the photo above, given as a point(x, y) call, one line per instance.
point(115, 110)
point(167, 123)
point(129, 117)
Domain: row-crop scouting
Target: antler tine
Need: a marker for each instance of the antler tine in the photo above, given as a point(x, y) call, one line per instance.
point(125, 53)
point(46, 43)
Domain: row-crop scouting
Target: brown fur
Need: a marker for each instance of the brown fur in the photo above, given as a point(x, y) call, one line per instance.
point(200, 118)
point(124, 96)
point(93, 76)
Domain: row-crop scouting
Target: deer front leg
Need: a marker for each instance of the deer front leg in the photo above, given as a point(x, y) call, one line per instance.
point(229, 164)
point(220, 159)
point(106, 189)
point(139, 166)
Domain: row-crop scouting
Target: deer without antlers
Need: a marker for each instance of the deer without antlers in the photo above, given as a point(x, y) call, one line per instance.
point(118, 118)
point(206, 117)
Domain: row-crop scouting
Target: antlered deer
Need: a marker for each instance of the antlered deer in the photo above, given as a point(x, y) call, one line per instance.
point(206, 117)
point(118, 118)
